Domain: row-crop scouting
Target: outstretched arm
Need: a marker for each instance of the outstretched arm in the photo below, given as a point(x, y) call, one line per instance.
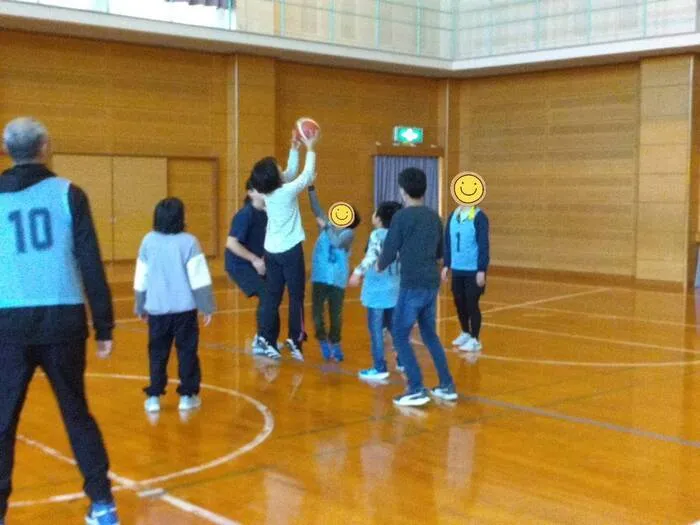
point(315, 203)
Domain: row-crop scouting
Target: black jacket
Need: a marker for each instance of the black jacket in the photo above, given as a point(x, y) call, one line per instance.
point(57, 324)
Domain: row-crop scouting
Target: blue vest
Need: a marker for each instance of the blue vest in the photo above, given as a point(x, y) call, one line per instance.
point(464, 249)
point(329, 264)
point(381, 289)
point(37, 265)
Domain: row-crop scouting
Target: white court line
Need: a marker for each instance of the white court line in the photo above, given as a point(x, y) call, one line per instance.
point(611, 317)
point(552, 362)
point(591, 364)
point(56, 454)
point(594, 339)
point(125, 483)
point(545, 300)
point(537, 281)
point(581, 285)
point(196, 511)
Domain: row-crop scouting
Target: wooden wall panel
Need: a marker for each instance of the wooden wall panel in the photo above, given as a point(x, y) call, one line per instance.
point(92, 173)
point(139, 183)
point(356, 110)
point(663, 226)
point(194, 182)
point(99, 97)
point(558, 151)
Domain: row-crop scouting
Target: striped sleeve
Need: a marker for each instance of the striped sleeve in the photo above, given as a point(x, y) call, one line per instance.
point(141, 281)
point(200, 280)
point(374, 248)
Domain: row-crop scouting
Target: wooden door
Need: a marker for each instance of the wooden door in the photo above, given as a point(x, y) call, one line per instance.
point(93, 174)
point(139, 183)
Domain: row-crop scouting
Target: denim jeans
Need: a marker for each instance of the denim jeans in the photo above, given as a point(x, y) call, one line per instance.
point(377, 320)
point(419, 305)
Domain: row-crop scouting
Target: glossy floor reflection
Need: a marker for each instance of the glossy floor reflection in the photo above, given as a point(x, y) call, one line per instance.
point(583, 408)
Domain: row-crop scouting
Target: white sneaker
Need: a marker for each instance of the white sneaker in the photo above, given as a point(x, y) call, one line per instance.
point(415, 399)
point(473, 345)
point(189, 402)
point(463, 339)
point(152, 404)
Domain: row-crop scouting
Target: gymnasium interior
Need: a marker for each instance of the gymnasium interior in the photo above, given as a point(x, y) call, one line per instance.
point(582, 117)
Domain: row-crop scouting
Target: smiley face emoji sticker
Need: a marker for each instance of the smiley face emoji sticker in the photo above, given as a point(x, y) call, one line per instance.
point(468, 188)
point(341, 214)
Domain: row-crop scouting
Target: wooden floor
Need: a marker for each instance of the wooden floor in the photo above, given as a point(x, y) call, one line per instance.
point(583, 408)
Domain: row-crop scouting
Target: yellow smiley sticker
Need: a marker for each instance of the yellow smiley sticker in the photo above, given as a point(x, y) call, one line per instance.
point(341, 215)
point(468, 188)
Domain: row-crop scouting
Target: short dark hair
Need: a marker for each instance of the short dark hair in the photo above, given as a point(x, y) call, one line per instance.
point(248, 187)
point(265, 176)
point(413, 182)
point(169, 217)
point(356, 221)
point(386, 210)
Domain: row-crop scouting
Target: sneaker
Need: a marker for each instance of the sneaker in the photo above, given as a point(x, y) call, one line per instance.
point(263, 348)
point(102, 514)
point(326, 350)
point(259, 347)
point(295, 350)
point(473, 345)
point(152, 404)
point(337, 353)
point(463, 339)
point(372, 374)
point(412, 399)
point(446, 393)
point(189, 402)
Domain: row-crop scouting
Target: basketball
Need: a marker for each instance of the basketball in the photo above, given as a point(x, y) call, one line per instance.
point(307, 128)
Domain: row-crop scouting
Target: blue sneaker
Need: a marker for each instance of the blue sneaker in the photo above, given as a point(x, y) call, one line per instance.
point(412, 399)
point(337, 353)
point(102, 514)
point(372, 374)
point(326, 350)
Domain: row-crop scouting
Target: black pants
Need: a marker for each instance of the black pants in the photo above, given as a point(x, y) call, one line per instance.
point(64, 366)
point(252, 285)
point(334, 296)
point(466, 294)
point(284, 269)
point(183, 328)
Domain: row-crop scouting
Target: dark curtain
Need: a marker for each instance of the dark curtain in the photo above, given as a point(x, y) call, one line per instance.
point(222, 4)
point(386, 177)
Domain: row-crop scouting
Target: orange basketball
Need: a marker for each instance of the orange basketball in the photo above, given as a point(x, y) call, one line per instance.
point(308, 128)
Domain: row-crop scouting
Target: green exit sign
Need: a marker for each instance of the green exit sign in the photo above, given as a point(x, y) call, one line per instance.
point(406, 135)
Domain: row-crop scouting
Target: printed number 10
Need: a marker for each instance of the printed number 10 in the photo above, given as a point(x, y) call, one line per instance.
point(40, 233)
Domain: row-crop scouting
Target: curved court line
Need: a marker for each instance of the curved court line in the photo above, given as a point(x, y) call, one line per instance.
point(268, 427)
point(262, 436)
point(63, 498)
